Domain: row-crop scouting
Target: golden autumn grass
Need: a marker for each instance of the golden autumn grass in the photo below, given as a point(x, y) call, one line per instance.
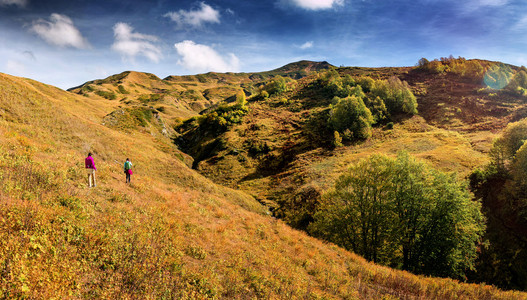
point(177, 96)
point(171, 234)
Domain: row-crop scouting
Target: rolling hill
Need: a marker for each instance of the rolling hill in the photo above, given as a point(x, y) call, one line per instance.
point(173, 233)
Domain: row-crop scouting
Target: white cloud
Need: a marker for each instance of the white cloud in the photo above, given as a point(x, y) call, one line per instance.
point(195, 18)
point(20, 3)
point(131, 44)
point(314, 4)
point(307, 45)
point(202, 58)
point(60, 31)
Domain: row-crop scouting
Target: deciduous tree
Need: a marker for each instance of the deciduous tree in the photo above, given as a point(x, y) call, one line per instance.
point(403, 213)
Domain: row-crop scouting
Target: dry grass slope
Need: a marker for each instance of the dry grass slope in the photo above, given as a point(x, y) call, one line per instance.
point(172, 234)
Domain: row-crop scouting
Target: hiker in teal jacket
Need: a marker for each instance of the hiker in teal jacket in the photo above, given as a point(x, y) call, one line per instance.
point(128, 169)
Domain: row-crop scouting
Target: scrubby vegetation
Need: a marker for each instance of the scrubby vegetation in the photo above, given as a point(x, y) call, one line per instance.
point(469, 69)
point(495, 75)
point(518, 83)
point(358, 104)
point(106, 94)
point(219, 119)
point(224, 116)
point(129, 118)
point(274, 87)
point(384, 98)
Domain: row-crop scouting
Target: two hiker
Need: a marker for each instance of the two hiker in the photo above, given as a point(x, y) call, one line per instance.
point(90, 170)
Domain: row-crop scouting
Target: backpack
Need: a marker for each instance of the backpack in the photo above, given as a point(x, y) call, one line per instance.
point(127, 165)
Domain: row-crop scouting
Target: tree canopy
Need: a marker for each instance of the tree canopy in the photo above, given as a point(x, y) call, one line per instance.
point(402, 213)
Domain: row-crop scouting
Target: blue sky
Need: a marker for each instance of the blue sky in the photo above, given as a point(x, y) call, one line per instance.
point(68, 42)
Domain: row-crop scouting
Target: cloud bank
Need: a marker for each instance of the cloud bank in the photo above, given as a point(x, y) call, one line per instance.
point(195, 18)
point(315, 4)
point(60, 31)
point(131, 44)
point(202, 58)
point(20, 3)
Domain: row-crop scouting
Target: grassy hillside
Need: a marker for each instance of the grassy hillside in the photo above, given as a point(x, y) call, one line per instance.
point(278, 150)
point(185, 96)
point(170, 234)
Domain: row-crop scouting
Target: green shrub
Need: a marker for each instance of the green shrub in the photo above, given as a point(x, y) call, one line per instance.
point(223, 117)
point(87, 88)
point(351, 113)
point(396, 95)
point(264, 95)
point(337, 139)
point(283, 101)
point(241, 99)
point(257, 147)
point(122, 90)
point(279, 85)
point(107, 95)
point(142, 116)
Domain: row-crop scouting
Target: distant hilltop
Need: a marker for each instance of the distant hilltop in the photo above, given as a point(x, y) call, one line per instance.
point(302, 66)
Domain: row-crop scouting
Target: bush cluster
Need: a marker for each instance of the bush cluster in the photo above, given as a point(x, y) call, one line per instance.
point(351, 117)
point(224, 116)
point(359, 103)
point(106, 95)
point(472, 69)
point(276, 86)
point(122, 89)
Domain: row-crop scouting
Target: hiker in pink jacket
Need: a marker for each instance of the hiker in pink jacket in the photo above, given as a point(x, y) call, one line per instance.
point(90, 169)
